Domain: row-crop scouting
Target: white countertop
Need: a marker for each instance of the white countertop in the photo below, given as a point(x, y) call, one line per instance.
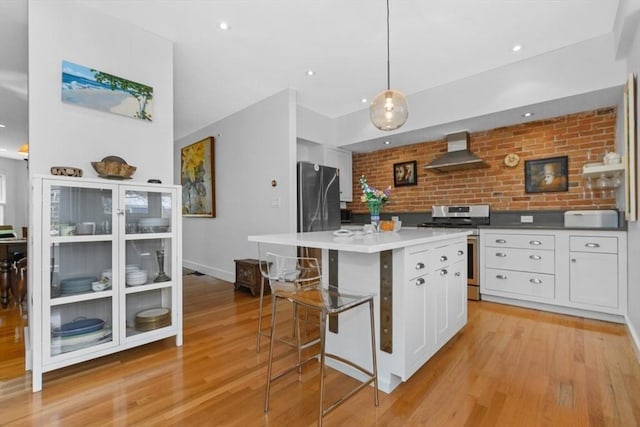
point(359, 242)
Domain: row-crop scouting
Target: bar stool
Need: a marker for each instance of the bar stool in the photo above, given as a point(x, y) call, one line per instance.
point(298, 280)
point(262, 333)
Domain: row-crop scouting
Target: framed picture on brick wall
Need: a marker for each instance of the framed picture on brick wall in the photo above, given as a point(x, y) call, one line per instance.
point(546, 175)
point(405, 174)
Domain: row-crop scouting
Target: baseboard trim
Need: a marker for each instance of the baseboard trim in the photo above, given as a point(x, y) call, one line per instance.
point(635, 337)
point(228, 276)
point(555, 308)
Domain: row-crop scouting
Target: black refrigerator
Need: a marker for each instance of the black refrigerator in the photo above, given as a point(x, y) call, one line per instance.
point(318, 197)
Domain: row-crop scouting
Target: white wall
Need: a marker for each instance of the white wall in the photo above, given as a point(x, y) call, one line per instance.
point(633, 309)
point(312, 126)
point(577, 69)
point(252, 147)
point(62, 134)
point(17, 193)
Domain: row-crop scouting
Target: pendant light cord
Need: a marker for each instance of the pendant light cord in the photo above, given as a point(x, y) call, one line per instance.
point(388, 61)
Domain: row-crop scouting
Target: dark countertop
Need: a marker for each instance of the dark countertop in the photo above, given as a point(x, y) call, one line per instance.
point(542, 220)
point(547, 227)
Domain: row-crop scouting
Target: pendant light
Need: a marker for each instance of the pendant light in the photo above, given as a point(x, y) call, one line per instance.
point(388, 110)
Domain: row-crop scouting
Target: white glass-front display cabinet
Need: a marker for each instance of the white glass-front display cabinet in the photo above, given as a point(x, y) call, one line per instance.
point(108, 268)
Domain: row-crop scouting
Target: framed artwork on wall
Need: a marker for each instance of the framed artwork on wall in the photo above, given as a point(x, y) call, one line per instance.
point(197, 176)
point(405, 173)
point(631, 160)
point(546, 175)
point(96, 89)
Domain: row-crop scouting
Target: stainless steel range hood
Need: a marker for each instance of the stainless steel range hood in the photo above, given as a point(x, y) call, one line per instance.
point(458, 156)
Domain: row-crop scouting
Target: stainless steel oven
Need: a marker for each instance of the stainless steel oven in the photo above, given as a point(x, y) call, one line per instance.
point(466, 216)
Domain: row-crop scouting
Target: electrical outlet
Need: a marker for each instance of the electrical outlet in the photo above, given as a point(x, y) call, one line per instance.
point(526, 219)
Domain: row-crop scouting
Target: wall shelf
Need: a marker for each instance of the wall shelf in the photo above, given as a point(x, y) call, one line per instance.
point(607, 170)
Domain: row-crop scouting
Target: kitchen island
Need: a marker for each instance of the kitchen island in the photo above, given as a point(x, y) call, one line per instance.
point(419, 278)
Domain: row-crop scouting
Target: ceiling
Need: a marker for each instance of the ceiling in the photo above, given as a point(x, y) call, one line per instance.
point(272, 44)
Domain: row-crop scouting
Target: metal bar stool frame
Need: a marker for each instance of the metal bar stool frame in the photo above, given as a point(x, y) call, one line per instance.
point(300, 297)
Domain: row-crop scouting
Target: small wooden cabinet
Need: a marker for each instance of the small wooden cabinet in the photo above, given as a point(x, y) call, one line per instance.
point(248, 275)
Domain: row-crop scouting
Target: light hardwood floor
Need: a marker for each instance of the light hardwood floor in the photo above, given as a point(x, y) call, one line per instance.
point(508, 367)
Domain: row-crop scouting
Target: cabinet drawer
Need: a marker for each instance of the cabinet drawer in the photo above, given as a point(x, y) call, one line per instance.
point(417, 262)
point(533, 260)
point(519, 241)
point(607, 245)
point(447, 255)
point(523, 283)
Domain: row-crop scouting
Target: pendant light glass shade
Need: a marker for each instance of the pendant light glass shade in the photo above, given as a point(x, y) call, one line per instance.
point(389, 110)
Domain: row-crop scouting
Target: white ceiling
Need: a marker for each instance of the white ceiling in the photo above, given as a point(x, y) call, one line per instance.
point(271, 45)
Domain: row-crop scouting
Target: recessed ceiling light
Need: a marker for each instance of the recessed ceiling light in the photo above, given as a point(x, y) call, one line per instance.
point(516, 48)
point(3, 149)
point(387, 142)
point(310, 73)
point(2, 126)
point(224, 26)
point(527, 114)
point(363, 100)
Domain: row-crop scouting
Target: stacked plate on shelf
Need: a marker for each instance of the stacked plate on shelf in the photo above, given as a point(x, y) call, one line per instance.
point(153, 225)
point(135, 277)
point(78, 334)
point(153, 318)
point(78, 285)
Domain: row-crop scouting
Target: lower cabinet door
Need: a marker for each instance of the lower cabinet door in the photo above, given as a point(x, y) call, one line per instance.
point(419, 345)
point(594, 279)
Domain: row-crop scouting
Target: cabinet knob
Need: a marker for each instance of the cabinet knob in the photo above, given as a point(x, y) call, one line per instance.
point(444, 272)
point(458, 274)
point(592, 245)
point(535, 281)
point(420, 281)
point(443, 258)
point(501, 277)
point(535, 257)
point(501, 254)
point(501, 241)
point(119, 212)
point(419, 266)
point(460, 253)
point(535, 242)
point(573, 260)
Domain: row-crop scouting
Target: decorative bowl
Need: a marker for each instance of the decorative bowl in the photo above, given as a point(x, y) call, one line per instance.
point(113, 167)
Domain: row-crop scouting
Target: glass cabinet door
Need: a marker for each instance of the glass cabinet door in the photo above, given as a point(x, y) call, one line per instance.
point(148, 259)
point(78, 291)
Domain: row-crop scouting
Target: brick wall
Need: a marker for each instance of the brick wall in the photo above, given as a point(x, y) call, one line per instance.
point(502, 187)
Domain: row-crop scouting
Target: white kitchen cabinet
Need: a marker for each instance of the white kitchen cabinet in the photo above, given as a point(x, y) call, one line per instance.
point(94, 229)
point(450, 308)
point(580, 272)
point(436, 300)
point(593, 272)
point(520, 265)
point(420, 298)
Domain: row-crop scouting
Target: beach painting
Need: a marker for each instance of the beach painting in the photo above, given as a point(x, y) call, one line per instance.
point(95, 89)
